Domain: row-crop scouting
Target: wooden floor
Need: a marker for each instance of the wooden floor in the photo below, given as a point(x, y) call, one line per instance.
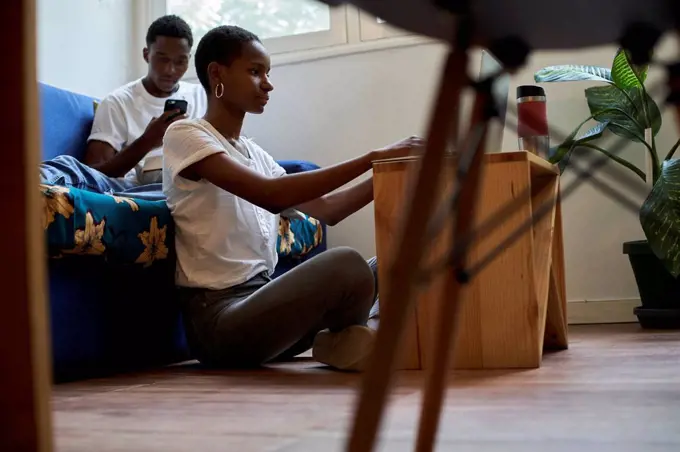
point(616, 389)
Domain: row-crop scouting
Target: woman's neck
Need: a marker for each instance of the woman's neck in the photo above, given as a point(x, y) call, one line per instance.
point(225, 121)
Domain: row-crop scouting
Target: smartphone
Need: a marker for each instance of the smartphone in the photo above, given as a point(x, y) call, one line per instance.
point(176, 104)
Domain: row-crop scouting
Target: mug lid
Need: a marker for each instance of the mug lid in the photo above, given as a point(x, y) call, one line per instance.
point(529, 90)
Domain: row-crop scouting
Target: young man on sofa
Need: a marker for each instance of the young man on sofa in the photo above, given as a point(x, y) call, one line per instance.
point(123, 154)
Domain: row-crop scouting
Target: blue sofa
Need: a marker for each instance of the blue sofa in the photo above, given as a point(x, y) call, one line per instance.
point(106, 317)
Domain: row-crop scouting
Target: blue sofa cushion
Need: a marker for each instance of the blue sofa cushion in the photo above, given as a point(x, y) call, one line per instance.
point(297, 166)
point(66, 120)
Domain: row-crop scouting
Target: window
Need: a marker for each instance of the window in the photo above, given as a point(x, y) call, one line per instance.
point(269, 19)
point(292, 30)
point(285, 25)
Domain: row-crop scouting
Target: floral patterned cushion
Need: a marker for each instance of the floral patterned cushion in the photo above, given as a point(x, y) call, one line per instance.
point(298, 236)
point(121, 230)
point(135, 231)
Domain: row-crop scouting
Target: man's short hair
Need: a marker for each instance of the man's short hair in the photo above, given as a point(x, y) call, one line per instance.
point(170, 26)
point(223, 45)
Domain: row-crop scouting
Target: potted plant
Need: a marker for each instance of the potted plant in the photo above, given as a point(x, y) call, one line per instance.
point(620, 104)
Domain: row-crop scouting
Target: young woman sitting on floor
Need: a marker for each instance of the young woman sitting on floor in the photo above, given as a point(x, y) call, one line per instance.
point(225, 194)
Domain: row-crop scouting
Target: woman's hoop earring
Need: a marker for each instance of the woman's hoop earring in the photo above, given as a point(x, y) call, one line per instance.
point(219, 90)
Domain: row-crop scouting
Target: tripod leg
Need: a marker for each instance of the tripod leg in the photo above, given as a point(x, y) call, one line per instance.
point(673, 70)
point(399, 288)
point(453, 292)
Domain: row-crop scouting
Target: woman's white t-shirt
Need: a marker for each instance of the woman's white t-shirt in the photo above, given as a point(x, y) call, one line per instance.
point(221, 240)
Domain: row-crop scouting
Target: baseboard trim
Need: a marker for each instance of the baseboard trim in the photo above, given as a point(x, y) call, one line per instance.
point(609, 311)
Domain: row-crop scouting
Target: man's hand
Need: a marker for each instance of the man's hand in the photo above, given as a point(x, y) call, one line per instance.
point(155, 131)
point(407, 147)
point(103, 157)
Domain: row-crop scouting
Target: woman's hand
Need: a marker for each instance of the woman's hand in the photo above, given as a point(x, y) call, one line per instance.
point(411, 146)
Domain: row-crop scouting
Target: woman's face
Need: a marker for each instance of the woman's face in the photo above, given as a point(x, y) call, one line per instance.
point(246, 79)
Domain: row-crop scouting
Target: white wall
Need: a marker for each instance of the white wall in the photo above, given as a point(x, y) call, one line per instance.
point(85, 45)
point(330, 110)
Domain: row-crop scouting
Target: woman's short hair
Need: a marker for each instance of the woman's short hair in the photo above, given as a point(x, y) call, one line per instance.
point(223, 45)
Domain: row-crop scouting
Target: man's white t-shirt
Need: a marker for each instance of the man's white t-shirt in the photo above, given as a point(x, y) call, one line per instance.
point(123, 115)
point(221, 240)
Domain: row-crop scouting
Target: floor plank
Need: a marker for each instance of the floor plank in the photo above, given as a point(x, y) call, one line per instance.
point(616, 389)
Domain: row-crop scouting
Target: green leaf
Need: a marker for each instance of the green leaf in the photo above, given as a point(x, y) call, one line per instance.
point(561, 153)
point(671, 152)
point(623, 109)
point(593, 133)
point(573, 73)
point(557, 153)
point(660, 217)
point(625, 74)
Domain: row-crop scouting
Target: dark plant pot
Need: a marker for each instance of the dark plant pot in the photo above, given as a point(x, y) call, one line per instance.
point(659, 291)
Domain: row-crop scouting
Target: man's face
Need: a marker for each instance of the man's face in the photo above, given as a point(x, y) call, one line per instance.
point(168, 60)
point(246, 80)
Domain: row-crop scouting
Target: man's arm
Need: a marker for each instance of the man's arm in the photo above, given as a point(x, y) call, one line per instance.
point(101, 156)
point(105, 149)
point(335, 207)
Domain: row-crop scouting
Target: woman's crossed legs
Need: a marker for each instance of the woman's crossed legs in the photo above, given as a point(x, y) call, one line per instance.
point(323, 303)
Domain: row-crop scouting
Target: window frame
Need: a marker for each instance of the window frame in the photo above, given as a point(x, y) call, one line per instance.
point(371, 28)
point(352, 31)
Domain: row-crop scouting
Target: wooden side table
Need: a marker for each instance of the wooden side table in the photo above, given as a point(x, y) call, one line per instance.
point(516, 306)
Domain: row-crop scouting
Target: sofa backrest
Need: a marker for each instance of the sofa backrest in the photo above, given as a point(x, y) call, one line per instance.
point(66, 121)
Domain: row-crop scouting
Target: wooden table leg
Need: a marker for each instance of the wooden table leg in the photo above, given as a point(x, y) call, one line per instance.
point(451, 296)
point(406, 262)
point(26, 378)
